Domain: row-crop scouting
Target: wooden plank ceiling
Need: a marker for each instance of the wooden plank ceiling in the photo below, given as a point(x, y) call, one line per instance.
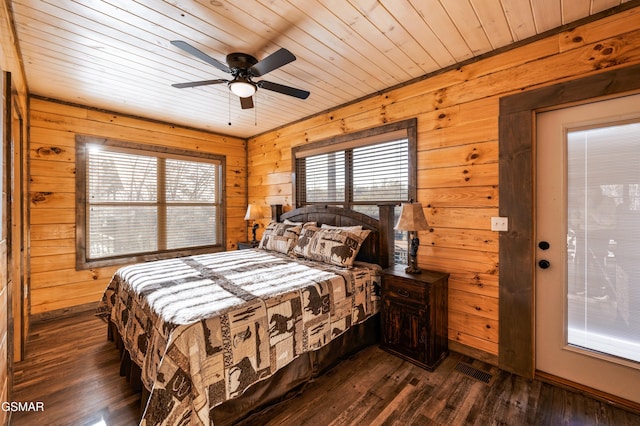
point(116, 54)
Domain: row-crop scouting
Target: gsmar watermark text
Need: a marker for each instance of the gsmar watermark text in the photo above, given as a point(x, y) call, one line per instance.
point(23, 406)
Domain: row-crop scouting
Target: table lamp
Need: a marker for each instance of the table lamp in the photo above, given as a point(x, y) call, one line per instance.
point(412, 219)
point(253, 213)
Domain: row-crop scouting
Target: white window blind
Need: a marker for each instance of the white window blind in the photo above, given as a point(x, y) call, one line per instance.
point(123, 206)
point(325, 178)
point(191, 203)
point(381, 172)
point(140, 202)
point(365, 175)
point(603, 240)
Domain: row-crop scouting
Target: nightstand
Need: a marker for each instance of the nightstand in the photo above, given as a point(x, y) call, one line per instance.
point(243, 245)
point(414, 316)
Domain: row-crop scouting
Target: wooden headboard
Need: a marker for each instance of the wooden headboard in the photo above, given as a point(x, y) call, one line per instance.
point(377, 248)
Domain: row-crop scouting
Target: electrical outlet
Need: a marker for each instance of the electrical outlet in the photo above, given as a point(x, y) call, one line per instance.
point(499, 224)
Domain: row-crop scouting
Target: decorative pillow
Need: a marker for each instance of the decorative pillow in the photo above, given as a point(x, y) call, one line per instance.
point(280, 237)
point(302, 246)
point(333, 246)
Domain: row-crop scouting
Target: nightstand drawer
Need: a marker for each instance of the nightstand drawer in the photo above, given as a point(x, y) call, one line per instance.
point(407, 291)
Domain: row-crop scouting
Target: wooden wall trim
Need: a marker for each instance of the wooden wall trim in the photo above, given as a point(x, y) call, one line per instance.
point(63, 312)
point(517, 202)
point(516, 246)
point(455, 346)
point(6, 335)
point(605, 397)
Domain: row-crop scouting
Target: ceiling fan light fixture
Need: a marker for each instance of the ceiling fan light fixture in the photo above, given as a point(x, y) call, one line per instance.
point(242, 88)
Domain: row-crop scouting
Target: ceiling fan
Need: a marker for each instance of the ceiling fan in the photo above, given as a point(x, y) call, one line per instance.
point(243, 67)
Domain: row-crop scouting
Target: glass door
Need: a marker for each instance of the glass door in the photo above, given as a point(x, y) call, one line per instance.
point(588, 245)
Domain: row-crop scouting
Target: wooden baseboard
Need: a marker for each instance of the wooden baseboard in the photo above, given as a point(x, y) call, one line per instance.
point(616, 401)
point(61, 313)
point(458, 347)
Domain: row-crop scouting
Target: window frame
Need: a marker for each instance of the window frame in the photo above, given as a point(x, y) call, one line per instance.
point(385, 133)
point(82, 141)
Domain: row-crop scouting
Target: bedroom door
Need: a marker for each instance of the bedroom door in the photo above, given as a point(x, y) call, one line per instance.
point(588, 245)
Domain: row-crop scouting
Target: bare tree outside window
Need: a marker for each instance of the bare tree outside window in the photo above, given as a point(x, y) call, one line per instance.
point(138, 202)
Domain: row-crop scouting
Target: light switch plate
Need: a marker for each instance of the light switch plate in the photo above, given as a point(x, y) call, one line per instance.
point(499, 223)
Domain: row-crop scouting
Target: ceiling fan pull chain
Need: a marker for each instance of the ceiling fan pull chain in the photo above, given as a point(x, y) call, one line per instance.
point(229, 94)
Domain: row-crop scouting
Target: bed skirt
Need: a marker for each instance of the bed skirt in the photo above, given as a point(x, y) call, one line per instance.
point(285, 383)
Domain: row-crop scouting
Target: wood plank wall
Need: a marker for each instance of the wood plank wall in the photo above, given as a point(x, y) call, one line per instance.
point(9, 62)
point(458, 156)
point(55, 283)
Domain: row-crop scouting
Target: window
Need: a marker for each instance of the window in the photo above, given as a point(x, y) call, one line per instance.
point(360, 171)
point(137, 203)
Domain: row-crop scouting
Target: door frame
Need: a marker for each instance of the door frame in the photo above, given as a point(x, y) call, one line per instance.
point(516, 143)
point(16, 241)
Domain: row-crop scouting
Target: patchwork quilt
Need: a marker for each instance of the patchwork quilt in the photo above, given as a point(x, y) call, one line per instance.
point(204, 328)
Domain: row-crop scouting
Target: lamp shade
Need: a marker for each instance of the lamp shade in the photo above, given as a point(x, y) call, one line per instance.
point(253, 212)
point(242, 87)
point(411, 218)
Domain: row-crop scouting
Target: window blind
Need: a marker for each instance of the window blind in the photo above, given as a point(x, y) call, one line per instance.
point(325, 178)
point(381, 172)
point(191, 203)
point(143, 203)
point(365, 175)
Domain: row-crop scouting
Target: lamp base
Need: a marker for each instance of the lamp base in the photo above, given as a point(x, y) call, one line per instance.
point(254, 228)
point(413, 266)
point(411, 269)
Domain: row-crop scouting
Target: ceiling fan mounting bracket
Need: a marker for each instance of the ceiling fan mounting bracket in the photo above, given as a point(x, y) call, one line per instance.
point(240, 61)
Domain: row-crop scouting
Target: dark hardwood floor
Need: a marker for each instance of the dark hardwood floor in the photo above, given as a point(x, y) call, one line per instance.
point(72, 368)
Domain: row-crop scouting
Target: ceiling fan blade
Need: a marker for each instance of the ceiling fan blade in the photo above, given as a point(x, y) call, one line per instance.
point(246, 103)
point(199, 83)
point(275, 60)
point(280, 88)
point(201, 55)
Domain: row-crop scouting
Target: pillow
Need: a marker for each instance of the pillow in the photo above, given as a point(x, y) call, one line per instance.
point(346, 228)
point(279, 237)
point(301, 248)
point(333, 246)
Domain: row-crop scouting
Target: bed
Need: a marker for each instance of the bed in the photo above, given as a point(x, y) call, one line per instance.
point(213, 338)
